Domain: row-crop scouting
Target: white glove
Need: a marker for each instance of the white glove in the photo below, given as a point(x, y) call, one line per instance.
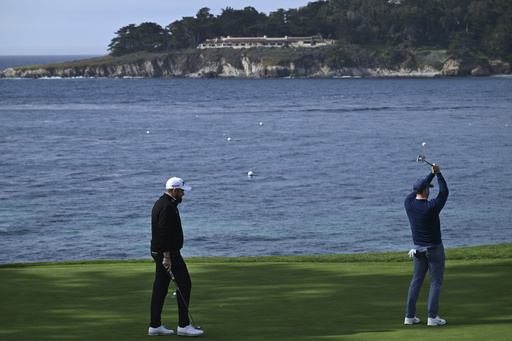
point(411, 253)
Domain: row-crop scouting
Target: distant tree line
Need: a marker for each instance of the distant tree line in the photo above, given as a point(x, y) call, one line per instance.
point(464, 27)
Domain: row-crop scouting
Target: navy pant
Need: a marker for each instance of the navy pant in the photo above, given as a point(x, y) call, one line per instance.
point(432, 260)
point(161, 287)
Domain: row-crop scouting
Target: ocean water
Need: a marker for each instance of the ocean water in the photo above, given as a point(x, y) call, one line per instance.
point(82, 162)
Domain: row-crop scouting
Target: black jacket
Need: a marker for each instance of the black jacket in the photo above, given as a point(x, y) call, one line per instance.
point(167, 233)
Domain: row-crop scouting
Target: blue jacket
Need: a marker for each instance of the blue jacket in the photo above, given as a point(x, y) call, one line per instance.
point(424, 214)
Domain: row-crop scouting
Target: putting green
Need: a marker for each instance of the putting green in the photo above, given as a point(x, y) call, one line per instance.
point(261, 300)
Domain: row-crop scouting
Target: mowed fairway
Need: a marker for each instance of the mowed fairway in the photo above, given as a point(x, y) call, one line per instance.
point(256, 300)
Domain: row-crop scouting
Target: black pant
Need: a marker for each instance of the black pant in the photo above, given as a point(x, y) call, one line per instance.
point(161, 287)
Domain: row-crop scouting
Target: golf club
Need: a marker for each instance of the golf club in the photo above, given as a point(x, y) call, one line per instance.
point(183, 299)
point(421, 158)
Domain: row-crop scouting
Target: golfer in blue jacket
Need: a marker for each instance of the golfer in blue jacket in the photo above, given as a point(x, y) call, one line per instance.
point(428, 252)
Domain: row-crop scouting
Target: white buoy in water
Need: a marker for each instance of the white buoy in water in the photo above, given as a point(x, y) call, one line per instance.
point(229, 138)
point(424, 144)
point(261, 123)
point(250, 173)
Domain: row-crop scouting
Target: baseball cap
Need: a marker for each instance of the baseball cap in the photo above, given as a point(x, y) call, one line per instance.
point(421, 184)
point(177, 183)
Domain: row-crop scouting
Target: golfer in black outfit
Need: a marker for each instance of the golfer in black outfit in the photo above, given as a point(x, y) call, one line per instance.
point(166, 243)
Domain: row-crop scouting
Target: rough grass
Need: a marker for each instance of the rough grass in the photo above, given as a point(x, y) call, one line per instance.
point(97, 61)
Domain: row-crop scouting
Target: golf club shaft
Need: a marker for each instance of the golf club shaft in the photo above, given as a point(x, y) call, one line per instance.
point(183, 299)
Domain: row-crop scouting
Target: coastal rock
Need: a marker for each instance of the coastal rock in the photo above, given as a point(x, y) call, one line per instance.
point(9, 73)
point(427, 71)
point(275, 63)
point(461, 68)
point(30, 73)
point(498, 66)
point(480, 72)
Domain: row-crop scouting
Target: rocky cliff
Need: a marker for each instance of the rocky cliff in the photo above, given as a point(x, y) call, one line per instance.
point(261, 63)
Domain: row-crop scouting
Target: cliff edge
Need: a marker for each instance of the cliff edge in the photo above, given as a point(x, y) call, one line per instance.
point(328, 62)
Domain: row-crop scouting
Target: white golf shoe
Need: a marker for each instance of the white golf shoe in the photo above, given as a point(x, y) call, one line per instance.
point(411, 320)
point(436, 321)
point(189, 331)
point(159, 331)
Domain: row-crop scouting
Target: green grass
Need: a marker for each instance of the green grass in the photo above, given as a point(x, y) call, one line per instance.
point(337, 297)
point(138, 57)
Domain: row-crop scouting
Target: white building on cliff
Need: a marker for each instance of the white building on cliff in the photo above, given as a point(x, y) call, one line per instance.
point(248, 42)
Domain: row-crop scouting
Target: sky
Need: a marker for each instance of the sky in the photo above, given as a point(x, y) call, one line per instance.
point(78, 27)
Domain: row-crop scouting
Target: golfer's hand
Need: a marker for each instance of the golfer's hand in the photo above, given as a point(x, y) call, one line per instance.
point(167, 263)
point(435, 169)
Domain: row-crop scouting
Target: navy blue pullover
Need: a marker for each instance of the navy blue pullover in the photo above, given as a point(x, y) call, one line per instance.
point(424, 214)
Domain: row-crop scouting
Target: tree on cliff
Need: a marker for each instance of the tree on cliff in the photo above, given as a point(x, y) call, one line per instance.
point(190, 32)
point(149, 37)
point(241, 23)
point(463, 27)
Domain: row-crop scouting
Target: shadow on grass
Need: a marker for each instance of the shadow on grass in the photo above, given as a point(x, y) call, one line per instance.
point(70, 302)
point(256, 301)
point(311, 301)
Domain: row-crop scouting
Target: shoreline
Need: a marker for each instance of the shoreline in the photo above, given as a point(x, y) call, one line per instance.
point(327, 62)
point(396, 75)
point(493, 251)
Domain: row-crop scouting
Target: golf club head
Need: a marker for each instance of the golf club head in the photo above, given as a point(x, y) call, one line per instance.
point(421, 158)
